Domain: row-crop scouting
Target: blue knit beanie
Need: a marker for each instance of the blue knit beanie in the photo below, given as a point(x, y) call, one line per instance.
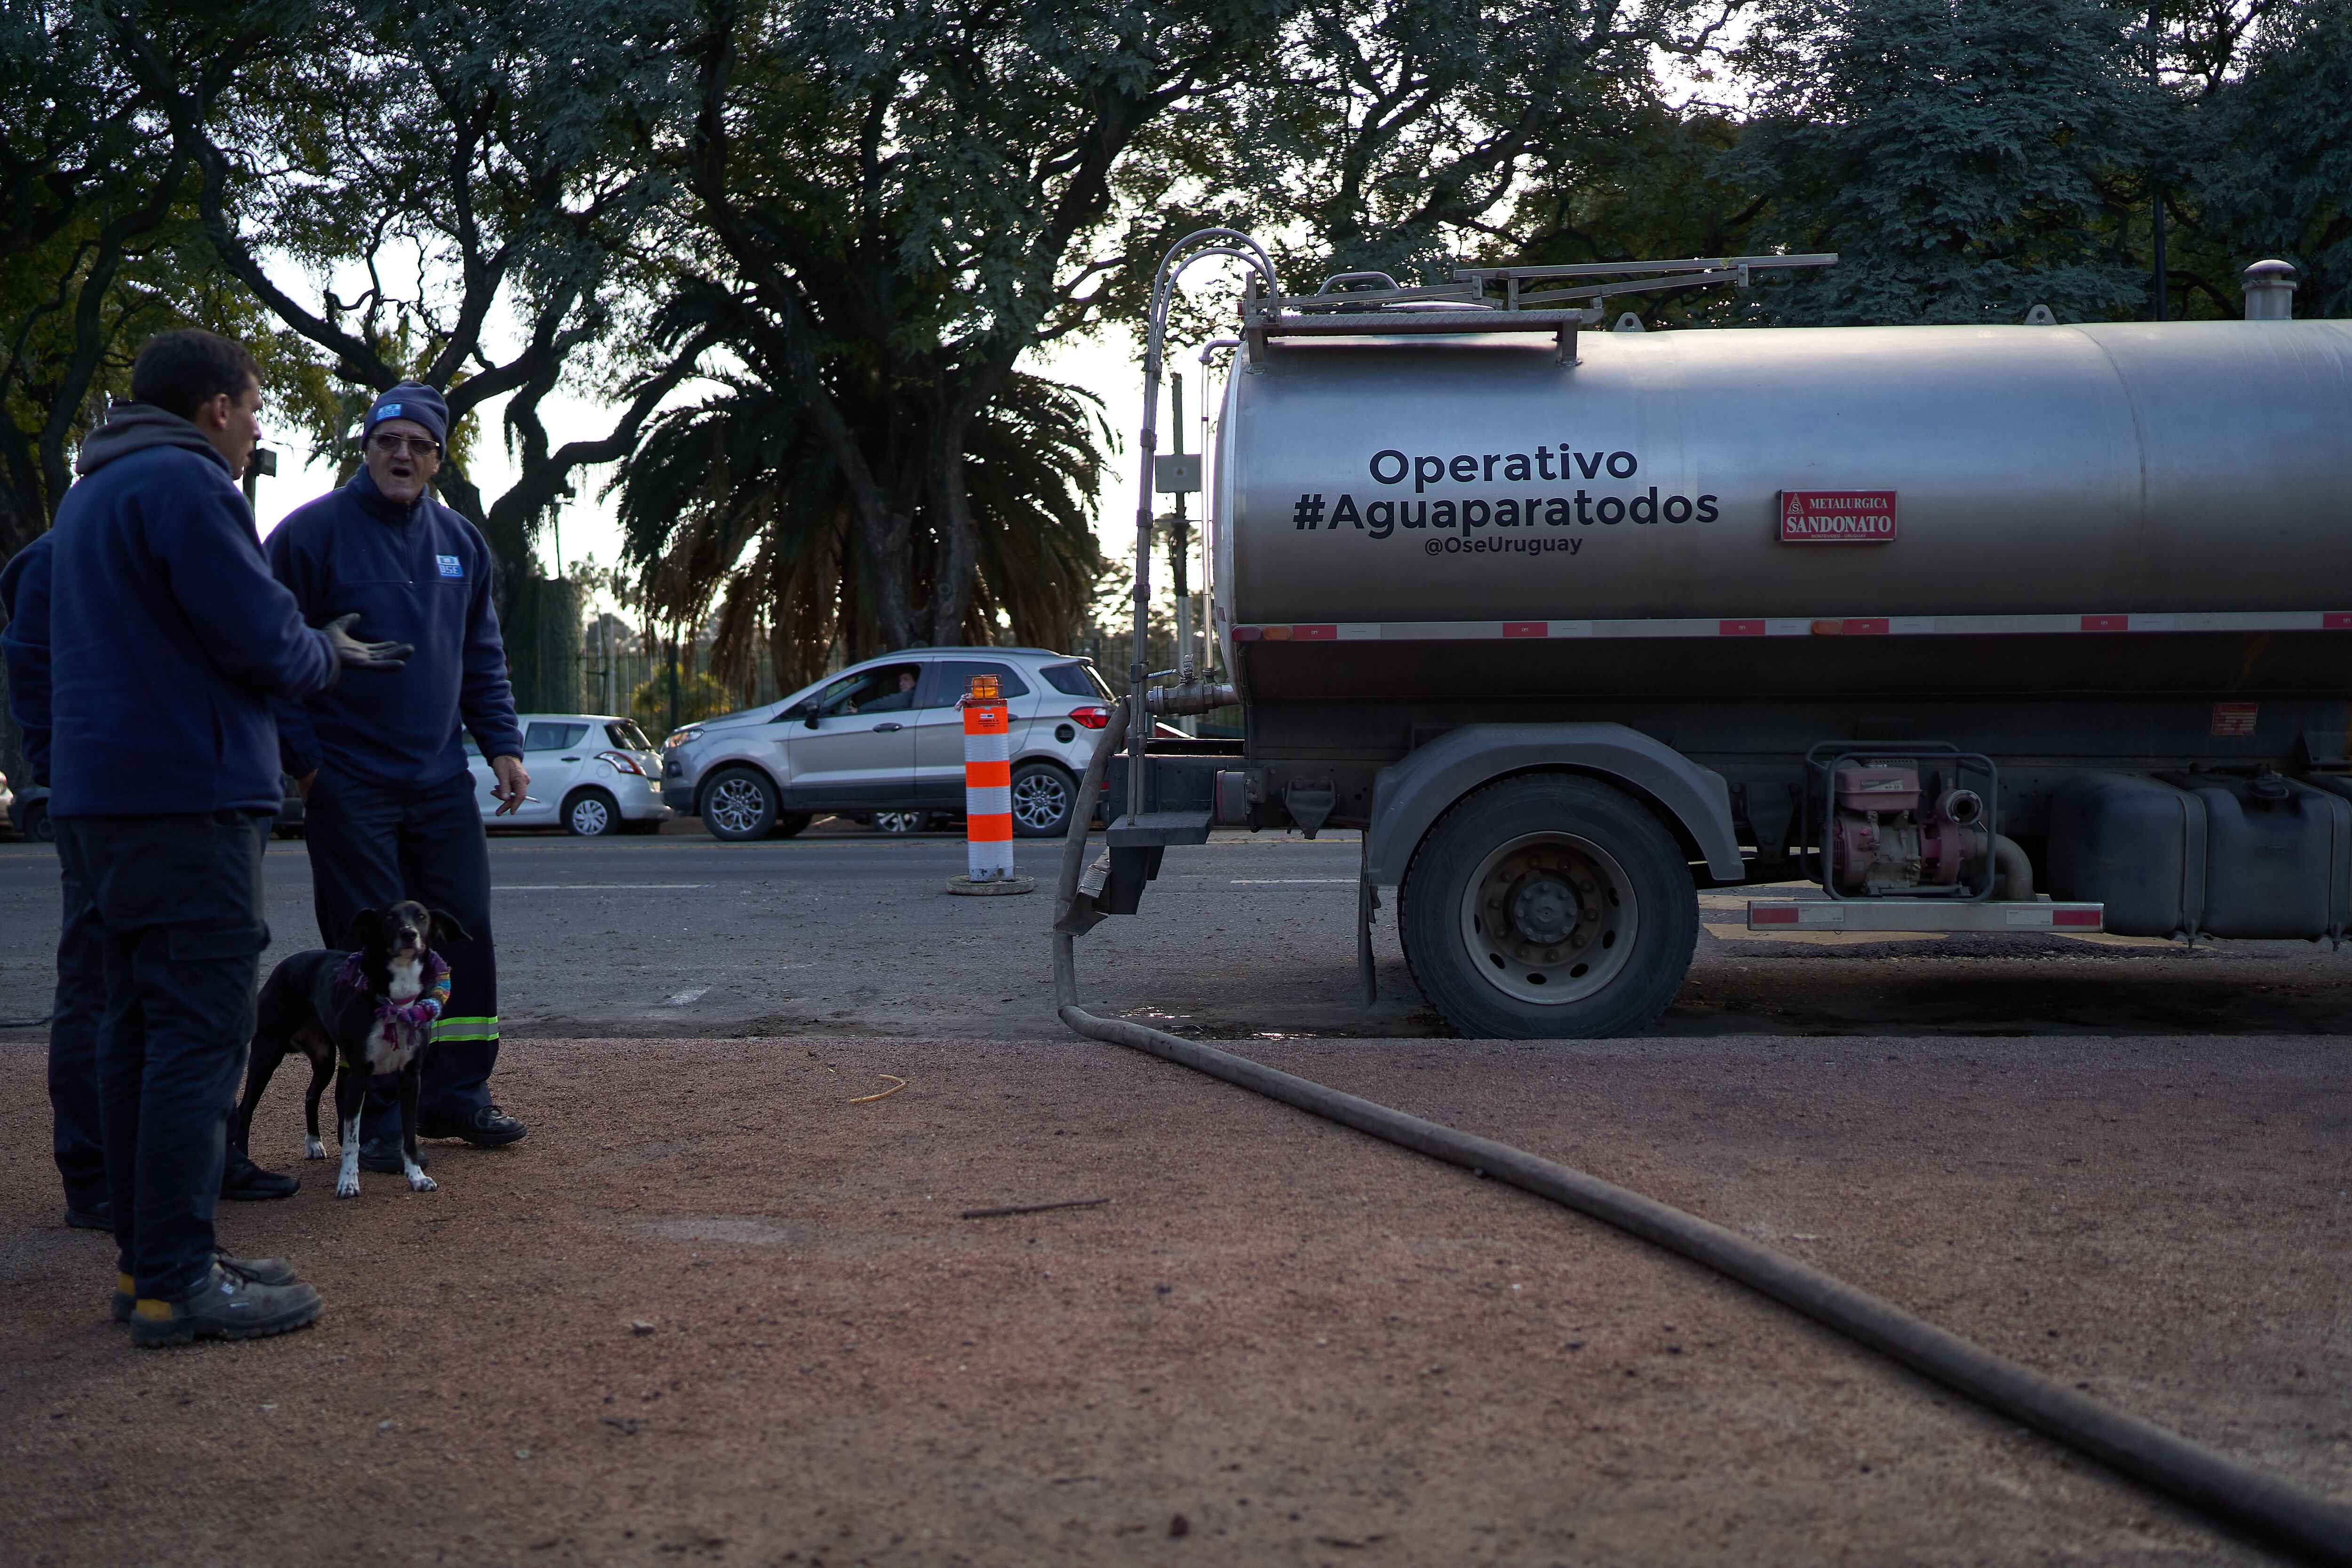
point(412, 400)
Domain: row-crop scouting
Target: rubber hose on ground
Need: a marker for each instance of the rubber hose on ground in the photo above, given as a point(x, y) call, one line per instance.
point(2164, 1460)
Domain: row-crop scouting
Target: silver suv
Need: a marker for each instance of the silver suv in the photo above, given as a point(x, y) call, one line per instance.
point(885, 739)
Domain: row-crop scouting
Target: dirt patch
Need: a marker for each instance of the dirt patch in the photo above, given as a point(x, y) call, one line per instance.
point(711, 1311)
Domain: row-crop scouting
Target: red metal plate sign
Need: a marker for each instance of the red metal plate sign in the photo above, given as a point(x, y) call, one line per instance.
point(1837, 517)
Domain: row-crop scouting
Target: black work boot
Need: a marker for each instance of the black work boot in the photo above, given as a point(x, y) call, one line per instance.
point(382, 1154)
point(98, 1215)
point(485, 1127)
point(225, 1307)
point(241, 1181)
point(253, 1270)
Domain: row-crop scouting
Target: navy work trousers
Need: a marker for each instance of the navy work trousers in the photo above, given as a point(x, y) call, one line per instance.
point(73, 1127)
point(178, 905)
point(373, 845)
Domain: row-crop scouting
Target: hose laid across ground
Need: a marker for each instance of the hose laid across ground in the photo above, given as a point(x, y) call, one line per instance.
point(2314, 1526)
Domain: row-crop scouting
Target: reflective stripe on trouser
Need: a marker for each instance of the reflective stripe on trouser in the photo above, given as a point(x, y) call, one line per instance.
point(987, 790)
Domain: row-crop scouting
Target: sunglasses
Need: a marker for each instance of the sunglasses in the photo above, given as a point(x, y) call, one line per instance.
point(391, 446)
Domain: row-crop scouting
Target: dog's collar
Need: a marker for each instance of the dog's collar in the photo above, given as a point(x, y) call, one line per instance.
point(417, 1015)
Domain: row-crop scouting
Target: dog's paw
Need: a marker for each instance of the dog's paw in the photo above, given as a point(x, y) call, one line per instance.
point(418, 1181)
point(349, 1187)
point(313, 1150)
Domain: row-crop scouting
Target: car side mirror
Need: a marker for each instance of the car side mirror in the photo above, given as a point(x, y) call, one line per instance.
point(812, 712)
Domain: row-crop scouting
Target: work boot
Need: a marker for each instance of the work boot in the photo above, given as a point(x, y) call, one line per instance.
point(485, 1127)
point(241, 1181)
point(98, 1215)
point(225, 1307)
point(381, 1154)
point(252, 1271)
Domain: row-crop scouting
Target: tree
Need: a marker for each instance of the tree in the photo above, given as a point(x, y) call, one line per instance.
point(467, 161)
point(1967, 158)
point(905, 201)
point(736, 502)
point(2275, 177)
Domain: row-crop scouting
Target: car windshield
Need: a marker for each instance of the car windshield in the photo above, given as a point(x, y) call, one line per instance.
point(1076, 681)
point(626, 735)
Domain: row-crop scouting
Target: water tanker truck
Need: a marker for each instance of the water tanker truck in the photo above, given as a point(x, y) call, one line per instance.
point(2023, 628)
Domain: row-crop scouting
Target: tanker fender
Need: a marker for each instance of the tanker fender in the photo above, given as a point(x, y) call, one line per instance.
point(1408, 797)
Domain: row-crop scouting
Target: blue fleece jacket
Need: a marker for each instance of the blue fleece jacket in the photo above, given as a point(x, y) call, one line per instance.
point(419, 574)
point(25, 649)
point(168, 636)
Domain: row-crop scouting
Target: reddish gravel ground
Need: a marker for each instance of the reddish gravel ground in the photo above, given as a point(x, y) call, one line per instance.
point(712, 1312)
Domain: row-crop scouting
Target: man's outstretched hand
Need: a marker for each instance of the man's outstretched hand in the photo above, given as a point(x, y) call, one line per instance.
point(512, 781)
point(353, 654)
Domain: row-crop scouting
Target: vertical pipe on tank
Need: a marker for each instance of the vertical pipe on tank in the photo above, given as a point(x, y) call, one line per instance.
point(2269, 289)
point(1200, 244)
point(2159, 286)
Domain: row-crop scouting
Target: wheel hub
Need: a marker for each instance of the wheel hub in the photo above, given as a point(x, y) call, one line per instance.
point(1544, 909)
point(1549, 917)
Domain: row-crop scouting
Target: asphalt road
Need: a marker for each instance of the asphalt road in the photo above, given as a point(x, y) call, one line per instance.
point(846, 933)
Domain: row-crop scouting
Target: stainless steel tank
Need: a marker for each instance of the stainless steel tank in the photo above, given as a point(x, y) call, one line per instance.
point(2143, 471)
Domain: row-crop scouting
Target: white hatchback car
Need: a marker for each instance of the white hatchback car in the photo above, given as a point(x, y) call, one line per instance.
point(590, 772)
point(885, 739)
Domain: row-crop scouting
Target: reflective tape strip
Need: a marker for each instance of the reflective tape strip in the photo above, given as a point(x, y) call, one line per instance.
point(994, 829)
point(997, 774)
point(988, 800)
point(2038, 624)
point(448, 1028)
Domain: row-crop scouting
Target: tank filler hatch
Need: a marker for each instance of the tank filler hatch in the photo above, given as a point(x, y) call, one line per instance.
point(1561, 300)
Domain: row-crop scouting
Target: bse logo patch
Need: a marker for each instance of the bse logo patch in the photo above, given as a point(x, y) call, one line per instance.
point(450, 565)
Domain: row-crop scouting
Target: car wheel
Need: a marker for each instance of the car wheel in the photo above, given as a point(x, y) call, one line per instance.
point(35, 824)
point(739, 805)
point(1042, 796)
point(1549, 906)
point(900, 820)
point(591, 814)
point(790, 823)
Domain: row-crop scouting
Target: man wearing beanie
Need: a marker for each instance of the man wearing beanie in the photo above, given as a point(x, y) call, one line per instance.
point(161, 640)
point(389, 807)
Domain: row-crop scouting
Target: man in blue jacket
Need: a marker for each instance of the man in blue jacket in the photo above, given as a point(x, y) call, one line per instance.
point(168, 638)
point(389, 808)
point(80, 997)
point(79, 1000)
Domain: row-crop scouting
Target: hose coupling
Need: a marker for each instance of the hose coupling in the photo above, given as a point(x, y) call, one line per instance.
point(1192, 697)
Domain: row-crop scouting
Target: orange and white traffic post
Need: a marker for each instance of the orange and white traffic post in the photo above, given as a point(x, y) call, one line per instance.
point(987, 782)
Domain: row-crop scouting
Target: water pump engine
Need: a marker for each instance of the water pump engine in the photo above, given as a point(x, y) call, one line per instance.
point(1884, 840)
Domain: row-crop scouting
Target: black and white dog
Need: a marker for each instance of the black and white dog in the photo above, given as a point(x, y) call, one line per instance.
point(354, 1015)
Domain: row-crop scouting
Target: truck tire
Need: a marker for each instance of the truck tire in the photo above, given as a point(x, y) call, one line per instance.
point(1549, 906)
point(738, 805)
point(789, 823)
point(1042, 796)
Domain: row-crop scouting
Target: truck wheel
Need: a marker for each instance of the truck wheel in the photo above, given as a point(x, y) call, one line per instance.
point(1549, 906)
point(789, 823)
point(1042, 796)
point(738, 805)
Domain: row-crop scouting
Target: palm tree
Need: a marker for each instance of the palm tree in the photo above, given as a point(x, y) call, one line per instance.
point(734, 503)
